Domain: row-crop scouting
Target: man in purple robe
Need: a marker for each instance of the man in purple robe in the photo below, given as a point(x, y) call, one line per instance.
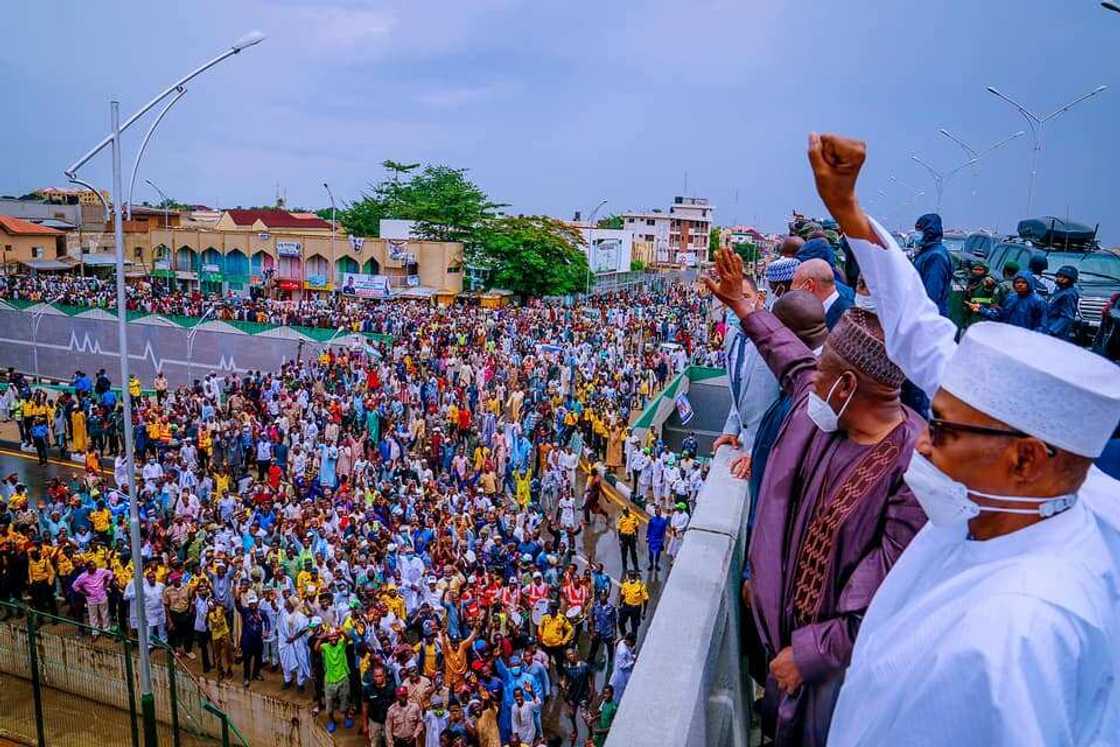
point(833, 511)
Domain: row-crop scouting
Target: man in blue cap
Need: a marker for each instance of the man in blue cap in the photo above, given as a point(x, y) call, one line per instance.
point(1061, 310)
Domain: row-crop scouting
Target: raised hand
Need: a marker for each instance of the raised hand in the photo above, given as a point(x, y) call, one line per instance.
point(726, 284)
point(836, 163)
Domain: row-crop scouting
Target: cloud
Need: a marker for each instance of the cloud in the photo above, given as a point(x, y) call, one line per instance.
point(455, 97)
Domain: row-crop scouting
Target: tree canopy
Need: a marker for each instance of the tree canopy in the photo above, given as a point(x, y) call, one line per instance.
point(532, 255)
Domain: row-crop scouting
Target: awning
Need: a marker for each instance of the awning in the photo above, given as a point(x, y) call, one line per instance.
point(101, 260)
point(47, 265)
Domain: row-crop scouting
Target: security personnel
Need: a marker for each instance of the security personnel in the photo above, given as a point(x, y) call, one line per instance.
point(554, 632)
point(635, 598)
point(627, 526)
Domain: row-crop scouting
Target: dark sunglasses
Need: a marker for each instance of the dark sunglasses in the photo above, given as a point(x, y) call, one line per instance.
point(939, 428)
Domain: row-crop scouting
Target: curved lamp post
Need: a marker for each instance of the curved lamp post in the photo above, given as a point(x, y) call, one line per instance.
point(147, 700)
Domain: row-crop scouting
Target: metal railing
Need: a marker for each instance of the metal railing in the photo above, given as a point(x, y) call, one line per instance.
point(690, 686)
point(66, 683)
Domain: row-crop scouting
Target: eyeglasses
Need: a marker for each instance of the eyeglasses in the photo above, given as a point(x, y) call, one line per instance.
point(939, 427)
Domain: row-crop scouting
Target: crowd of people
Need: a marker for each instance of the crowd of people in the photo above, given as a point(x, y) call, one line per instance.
point(934, 532)
point(396, 529)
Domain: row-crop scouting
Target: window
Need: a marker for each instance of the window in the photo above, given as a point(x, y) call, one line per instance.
point(139, 252)
point(37, 252)
point(649, 237)
point(649, 221)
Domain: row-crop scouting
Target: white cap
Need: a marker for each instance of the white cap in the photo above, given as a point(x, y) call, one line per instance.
point(1040, 385)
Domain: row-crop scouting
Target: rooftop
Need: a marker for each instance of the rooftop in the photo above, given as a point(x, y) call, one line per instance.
point(275, 218)
point(18, 227)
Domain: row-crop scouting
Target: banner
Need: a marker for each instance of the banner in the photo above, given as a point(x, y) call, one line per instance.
point(365, 286)
point(412, 280)
point(684, 408)
point(289, 248)
point(356, 243)
point(398, 250)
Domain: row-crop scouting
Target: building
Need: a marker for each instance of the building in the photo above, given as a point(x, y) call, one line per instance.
point(651, 235)
point(72, 195)
point(27, 245)
point(690, 224)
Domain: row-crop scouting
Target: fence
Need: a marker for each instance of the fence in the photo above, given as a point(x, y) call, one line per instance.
point(80, 687)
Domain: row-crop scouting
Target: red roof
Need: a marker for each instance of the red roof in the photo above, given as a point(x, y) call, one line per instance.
point(275, 219)
point(17, 227)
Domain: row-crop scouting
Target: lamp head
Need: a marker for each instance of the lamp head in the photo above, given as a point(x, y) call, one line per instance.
point(250, 39)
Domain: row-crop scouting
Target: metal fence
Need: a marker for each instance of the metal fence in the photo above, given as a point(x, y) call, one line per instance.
point(65, 683)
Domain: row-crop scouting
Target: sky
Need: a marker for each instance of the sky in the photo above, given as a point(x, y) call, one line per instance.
point(555, 106)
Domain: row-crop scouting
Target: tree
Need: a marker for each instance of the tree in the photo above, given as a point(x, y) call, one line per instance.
point(531, 255)
point(611, 221)
point(442, 203)
point(748, 251)
point(713, 242)
point(637, 265)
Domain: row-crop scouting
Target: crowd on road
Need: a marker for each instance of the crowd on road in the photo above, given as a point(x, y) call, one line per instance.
point(396, 528)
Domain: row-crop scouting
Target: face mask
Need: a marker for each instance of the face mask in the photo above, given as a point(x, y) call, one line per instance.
point(947, 503)
point(822, 414)
point(864, 302)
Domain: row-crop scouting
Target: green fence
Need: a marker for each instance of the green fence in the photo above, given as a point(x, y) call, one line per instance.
point(65, 683)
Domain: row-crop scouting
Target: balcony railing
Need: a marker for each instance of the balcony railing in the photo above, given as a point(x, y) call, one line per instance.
point(690, 685)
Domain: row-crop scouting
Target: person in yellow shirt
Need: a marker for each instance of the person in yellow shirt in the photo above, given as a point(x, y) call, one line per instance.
point(134, 389)
point(555, 632)
point(100, 518)
point(40, 578)
point(634, 598)
point(627, 526)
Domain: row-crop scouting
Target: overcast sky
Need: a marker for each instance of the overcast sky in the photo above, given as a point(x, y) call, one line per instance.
point(554, 106)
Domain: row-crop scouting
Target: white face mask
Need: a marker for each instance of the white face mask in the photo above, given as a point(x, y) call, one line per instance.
point(864, 302)
point(947, 502)
point(821, 412)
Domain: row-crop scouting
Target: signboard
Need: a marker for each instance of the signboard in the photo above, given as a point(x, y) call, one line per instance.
point(365, 286)
point(287, 284)
point(317, 282)
point(264, 236)
point(289, 248)
point(412, 280)
point(398, 250)
point(604, 255)
point(684, 408)
point(356, 242)
point(688, 259)
point(211, 268)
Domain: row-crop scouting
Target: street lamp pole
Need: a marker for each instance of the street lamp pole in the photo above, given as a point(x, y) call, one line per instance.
point(179, 92)
point(190, 344)
point(1111, 6)
point(334, 270)
point(36, 318)
point(147, 698)
point(1037, 123)
point(591, 241)
point(166, 221)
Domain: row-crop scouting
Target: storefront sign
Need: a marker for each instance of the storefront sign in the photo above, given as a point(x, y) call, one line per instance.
point(317, 282)
point(287, 284)
point(365, 286)
point(289, 248)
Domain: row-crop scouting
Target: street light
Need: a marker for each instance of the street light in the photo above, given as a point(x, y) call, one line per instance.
point(190, 343)
point(36, 318)
point(1111, 6)
point(166, 228)
point(179, 93)
point(1036, 124)
point(974, 156)
point(334, 270)
point(591, 240)
point(147, 700)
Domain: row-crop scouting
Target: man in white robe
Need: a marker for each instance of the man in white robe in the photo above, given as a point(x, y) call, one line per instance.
point(998, 624)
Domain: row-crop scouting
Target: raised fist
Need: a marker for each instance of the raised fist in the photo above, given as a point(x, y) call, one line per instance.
point(836, 162)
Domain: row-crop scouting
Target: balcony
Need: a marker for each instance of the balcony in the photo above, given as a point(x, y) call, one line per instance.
point(690, 684)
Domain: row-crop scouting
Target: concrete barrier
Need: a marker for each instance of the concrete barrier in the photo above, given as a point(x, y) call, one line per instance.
point(690, 686)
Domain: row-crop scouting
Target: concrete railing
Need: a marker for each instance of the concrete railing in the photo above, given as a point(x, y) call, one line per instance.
point(689, 686)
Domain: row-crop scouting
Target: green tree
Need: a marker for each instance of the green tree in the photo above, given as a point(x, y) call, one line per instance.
point(748, 251)
point(611, 221)
point(713, 242)
point(531, 255)
point(637, 265)
point(442, 202)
